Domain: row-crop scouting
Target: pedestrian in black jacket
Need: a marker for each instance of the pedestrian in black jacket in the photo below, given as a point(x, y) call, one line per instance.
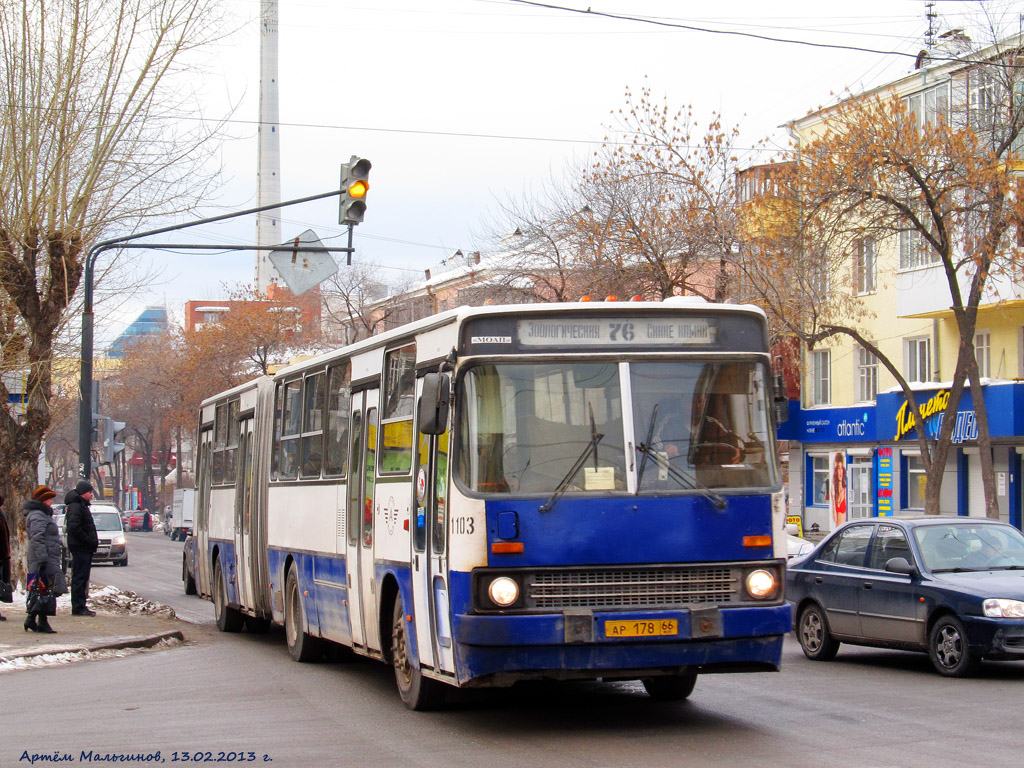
point(43, 550)
point(82, 544)
point(5, 549)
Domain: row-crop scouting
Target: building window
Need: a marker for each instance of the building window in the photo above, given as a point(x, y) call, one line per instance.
point(819, 481)
point(916, 480)
point(983, 353)
point(917, 358)
point(984, 99)
point(867, 375)
point(915, 251)
point(821, 377)
point(930, 106)
point(864, 268)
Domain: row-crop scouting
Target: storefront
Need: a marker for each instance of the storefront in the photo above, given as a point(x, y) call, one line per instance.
point(865, 461)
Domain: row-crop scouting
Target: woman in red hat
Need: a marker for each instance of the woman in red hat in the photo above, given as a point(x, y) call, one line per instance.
point(43, 550)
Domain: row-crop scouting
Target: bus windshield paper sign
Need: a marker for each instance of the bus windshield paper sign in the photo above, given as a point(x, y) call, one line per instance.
point(640, 332)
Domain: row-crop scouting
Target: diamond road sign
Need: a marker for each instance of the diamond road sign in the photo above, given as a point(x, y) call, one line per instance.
point(300, 268)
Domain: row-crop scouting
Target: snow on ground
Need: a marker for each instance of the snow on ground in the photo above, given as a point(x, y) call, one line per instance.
point(110, 600)
point(59, 659)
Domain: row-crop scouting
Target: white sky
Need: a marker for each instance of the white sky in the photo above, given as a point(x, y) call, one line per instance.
point(461, 104)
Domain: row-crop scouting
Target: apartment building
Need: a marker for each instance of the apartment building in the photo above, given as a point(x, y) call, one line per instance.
point(852, 424)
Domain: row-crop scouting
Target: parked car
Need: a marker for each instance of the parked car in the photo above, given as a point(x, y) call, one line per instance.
point(189, 554)
point(950, 586)
point(136, 520)
point(795, 545)
point(110, 530)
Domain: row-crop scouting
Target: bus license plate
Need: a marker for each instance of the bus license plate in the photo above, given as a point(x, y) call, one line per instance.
point(656, 628)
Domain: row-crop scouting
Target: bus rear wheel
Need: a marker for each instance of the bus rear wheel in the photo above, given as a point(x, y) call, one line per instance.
point(302, 646)
point(418, 692)
point(228, 619)
point(671, 687)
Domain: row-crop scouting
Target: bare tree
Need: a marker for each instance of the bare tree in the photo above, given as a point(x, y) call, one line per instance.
point(356, 304)
point(938, 189)
point(89, 140)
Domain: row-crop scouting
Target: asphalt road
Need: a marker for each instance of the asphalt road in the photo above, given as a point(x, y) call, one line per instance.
point(242, 694)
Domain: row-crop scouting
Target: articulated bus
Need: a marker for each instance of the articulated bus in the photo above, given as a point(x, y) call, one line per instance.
point(503, 493)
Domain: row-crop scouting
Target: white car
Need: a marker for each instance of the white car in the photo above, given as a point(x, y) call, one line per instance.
point(113, 546)
point(796, 546)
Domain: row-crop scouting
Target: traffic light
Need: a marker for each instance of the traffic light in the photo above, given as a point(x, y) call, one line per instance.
point(355, 175)
point(110, 448)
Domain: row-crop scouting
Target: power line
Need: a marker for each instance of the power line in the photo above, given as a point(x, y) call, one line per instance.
point(694, 28)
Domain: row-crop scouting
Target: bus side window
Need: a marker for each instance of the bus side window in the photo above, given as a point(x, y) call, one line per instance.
point(396, 422)
point(291, 425)
point(312, 426)
point(339, 402)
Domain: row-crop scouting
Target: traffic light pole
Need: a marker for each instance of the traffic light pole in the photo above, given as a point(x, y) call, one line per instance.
point(128, 241)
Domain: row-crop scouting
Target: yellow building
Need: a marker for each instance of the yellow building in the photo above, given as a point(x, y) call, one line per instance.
point(852, 413)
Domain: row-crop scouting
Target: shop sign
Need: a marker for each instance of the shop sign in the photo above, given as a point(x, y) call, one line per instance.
point(838, 425)
point(932, 413)
point(883, 481)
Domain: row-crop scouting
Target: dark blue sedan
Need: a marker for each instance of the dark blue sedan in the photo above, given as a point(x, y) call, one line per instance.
point(950, 586)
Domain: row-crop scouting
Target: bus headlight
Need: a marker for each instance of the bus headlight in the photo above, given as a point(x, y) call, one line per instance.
point(761, 584)
point(503, 591)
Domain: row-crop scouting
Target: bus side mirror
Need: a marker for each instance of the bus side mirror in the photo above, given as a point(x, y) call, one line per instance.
point(434, 400)
point(781, 401)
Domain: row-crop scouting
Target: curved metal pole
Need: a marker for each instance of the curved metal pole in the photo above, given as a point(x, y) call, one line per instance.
point(88, 274)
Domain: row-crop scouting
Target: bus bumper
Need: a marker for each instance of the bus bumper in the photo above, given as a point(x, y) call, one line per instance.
point(499, 650)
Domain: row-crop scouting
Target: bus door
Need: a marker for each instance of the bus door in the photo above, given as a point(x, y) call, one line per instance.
point(243, 507)
point(362, 602)
point(368, 507)
point(201, 523)
point(354, 520)
point(430, 557)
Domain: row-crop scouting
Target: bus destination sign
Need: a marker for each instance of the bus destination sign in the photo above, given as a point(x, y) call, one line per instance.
point(616, 331)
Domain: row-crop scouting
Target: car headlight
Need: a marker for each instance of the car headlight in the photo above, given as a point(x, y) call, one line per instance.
point(1001, 608)
point(761, 584)
point(503, 591)
point(119, 539)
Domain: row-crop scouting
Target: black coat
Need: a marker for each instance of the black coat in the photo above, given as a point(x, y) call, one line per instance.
point(79, 525)
point(43, 537)
point(5, 538)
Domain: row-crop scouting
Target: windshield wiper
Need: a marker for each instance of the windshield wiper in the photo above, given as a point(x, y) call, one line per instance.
point(1007, 568)
point(644, 445)
point(676, 474)
point(958, 569)
point(595, 438)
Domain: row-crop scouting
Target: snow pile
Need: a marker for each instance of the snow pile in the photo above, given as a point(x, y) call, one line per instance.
point(69, 657)
point(113, 600)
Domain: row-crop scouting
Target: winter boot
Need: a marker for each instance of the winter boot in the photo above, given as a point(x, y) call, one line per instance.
point(44, 626)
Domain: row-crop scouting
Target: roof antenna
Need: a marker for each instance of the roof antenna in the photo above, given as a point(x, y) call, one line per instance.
point(931, 15)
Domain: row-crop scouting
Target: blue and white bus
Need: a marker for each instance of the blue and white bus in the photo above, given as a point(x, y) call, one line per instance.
point(502, 493)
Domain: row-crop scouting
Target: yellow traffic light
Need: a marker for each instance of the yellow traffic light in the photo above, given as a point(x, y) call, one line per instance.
point(359, 189)
point(355, 183)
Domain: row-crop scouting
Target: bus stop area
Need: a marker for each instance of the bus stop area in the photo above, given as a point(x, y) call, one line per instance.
point(124, 623)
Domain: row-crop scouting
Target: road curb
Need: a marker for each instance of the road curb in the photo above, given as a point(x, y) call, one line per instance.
point(138, 641)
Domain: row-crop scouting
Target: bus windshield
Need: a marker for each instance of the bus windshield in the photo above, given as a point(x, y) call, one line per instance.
point(696, 425)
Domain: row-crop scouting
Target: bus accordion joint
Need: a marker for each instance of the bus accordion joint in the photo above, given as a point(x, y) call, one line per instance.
point(506, 547)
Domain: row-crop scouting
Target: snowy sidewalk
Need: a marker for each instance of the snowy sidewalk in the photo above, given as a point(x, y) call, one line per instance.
point(124, 623)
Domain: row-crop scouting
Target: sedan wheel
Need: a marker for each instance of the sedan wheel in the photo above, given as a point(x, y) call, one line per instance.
point(815, 639)
point(947, 648)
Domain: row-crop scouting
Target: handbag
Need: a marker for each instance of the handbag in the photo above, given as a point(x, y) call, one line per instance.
point(40, 599)
point(60, 584)
point(6, 592)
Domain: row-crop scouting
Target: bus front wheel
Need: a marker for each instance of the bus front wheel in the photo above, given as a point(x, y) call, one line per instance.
point(671, 687)
point(302, 646)
point(418, 692)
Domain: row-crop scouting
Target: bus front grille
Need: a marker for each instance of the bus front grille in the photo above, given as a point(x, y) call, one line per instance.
point(625, 588)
